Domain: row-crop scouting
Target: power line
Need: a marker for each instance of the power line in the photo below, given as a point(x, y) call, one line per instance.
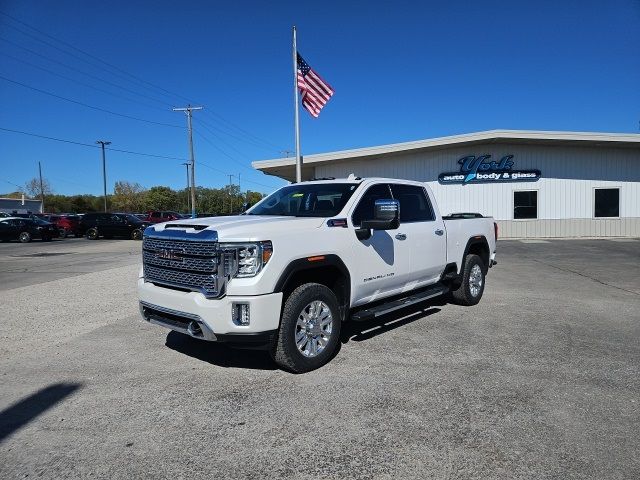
point(89, 106)
point(33, 65)
point(121, 151)
point(242, 130)
point(89, 145)
point(100, 60)
point(227, 174)
point(103, 63)
point(233, 159)
point(95, 77)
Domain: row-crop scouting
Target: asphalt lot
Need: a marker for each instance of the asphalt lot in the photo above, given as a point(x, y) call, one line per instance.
point(540, 380)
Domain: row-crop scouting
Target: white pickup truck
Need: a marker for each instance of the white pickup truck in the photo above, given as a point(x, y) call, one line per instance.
point(290, 270)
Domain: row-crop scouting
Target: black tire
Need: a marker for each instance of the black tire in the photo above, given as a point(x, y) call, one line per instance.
point(469, 292)
point(24, 237)
point(136, 234)
point(63, 233)
point(285, 352)
point(92, 234)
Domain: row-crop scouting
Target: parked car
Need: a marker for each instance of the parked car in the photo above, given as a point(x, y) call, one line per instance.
point(67, 224)
point(109, 225)
point(163, 216)
point(26, 229)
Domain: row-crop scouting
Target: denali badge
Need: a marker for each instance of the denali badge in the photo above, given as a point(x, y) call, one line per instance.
point(169, 255)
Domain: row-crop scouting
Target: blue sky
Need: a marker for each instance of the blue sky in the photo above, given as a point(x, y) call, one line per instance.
point(401, 70)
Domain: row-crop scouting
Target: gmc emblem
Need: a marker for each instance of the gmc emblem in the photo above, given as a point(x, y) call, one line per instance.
point(169, 255)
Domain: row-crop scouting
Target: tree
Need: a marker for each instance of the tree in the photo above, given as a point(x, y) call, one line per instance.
point(127, 197)
point(33, 187)
point(253, 197)
point(160, 198)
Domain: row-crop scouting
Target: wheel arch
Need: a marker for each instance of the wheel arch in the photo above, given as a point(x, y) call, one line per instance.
point(328, 270)
point(477, 245)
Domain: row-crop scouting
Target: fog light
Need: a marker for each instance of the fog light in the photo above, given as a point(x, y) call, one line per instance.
point(240, 313)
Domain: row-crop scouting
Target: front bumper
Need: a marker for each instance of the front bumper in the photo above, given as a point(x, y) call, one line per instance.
point(209, 319)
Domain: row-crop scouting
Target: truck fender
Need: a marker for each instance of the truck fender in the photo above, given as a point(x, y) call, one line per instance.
point(477, 244)
point(315, 263)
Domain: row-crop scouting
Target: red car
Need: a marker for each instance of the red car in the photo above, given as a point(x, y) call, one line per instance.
point(163, 216)
point(67, 224)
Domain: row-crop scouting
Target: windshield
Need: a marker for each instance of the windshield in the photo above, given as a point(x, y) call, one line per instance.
point(311, 200)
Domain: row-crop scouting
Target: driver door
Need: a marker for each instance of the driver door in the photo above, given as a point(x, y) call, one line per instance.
point(382, 262)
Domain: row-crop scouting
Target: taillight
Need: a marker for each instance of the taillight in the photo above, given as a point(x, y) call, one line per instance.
point(495, 230)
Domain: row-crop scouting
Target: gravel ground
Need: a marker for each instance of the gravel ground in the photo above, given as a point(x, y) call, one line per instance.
point(540, 380)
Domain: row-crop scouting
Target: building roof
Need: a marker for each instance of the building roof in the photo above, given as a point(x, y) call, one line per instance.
point(282, 166)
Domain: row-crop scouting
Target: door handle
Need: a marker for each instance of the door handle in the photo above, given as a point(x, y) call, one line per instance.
point(439, 232)
point(401, 236)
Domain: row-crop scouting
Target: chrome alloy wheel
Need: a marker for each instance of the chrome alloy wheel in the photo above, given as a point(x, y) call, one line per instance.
point(475, 280)
point(313, 328)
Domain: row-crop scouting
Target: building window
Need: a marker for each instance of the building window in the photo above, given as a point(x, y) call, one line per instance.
point(525, 204)
point(607, 202)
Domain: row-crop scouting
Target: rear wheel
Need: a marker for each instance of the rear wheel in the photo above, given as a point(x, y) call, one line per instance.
point(136, 235)
point(309, 329)
point(63, 233)
point(92, 234)
point(473, 278)
point(24, 237)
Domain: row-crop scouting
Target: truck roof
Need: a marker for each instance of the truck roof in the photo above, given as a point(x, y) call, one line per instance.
point(358, 180)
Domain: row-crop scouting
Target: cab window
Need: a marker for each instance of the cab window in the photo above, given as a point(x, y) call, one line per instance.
point(365, 208)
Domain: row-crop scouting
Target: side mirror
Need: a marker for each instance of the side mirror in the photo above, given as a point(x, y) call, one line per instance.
point(386, 216)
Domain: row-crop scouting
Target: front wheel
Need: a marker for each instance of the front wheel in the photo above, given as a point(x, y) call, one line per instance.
point(92, 234)
point(63, 233)
point(136, 235)
point(473, 278)
point(309, 329)
point(24, 237)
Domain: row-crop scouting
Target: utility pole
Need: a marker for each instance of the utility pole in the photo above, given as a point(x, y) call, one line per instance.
point(188, 110)
point(41, 188)
point(104, 171)
point(230, 194)
point(188, 204)
point(240, 192)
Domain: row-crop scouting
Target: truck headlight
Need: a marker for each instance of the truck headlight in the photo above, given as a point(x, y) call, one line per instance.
point(252, 257)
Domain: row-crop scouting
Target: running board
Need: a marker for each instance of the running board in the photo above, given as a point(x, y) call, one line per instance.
point(393, 305)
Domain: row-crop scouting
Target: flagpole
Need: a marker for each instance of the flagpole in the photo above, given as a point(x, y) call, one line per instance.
point(295, 102)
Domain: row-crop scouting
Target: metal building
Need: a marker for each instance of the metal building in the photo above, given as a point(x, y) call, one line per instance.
point(535, 183)
point(17, 205)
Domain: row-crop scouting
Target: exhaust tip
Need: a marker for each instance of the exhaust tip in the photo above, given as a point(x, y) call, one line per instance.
point(194, 329)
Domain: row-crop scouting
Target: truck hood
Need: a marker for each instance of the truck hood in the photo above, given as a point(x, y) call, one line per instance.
point(243, 227)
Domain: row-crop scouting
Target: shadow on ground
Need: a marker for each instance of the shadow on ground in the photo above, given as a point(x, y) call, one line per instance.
point(21, 413)
point(229, 357)
point(219, 354)
point(362, 331)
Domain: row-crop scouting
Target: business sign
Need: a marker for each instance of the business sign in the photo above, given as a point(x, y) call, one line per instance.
point(482, 169)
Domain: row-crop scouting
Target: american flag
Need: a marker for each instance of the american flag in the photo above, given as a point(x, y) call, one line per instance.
point(314, 90)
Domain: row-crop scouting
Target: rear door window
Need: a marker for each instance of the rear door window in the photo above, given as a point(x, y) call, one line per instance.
point(414, 203)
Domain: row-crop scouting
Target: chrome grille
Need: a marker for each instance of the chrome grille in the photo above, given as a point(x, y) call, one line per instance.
point(207, 284)
point(200, 264)
point(183, 261)
point(189, 247)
